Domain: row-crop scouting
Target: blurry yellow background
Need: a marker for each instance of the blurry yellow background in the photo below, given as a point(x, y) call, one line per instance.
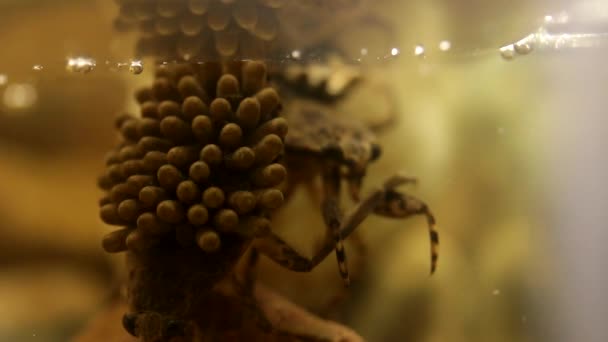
point(470, 126)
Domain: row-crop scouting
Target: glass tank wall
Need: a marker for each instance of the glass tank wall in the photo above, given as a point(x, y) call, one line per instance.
point(498, 109)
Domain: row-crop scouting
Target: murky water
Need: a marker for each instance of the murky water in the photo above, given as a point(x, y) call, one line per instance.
point(498, 109)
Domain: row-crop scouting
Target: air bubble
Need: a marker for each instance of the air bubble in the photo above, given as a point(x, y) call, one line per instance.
point(507, 52)
point(419, 50)
point(296, 54)
point(445, 45)
point(394, 52)
point(136, 67)
point(37, 67)
point(552, 36)
point(80, 64)
point(523, 48)
point(20, 96)
point(525, 45)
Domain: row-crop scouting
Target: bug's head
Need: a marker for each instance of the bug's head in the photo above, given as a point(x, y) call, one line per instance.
point(356, 158)
point(151, 326)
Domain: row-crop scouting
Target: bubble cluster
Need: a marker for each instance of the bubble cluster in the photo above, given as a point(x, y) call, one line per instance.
point(200, 161)
point(80, 64)
point(419, 50)
point(201, 29)
point(507, 52)
point(136, 67)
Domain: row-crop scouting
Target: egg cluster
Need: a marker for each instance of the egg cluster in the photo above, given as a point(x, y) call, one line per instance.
point(200, 161)
point(201, 29)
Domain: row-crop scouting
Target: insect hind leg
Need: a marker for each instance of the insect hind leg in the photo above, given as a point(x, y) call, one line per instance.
point(400, 205)
point(332, 216)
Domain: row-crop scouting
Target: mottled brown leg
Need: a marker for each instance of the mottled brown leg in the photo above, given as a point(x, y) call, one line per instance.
point(354, 182)
point(280, 252)
point(387, 202)
point(332, 215)
point(245, 272)
point(400, 205)
point(383, 201)
point(368, 204)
